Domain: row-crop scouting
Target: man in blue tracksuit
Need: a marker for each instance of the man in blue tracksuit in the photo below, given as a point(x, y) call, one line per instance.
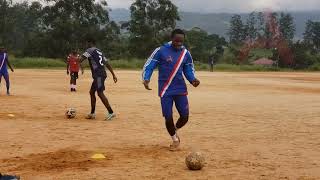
point(4, 62)
point(172, 60)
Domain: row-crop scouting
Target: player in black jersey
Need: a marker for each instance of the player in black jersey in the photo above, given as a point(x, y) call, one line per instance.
point(98, 62)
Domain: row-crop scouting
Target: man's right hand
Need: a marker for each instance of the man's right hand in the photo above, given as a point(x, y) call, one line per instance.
point(146, 85)
point(67, 72)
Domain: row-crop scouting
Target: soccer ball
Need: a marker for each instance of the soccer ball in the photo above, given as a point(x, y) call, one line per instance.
point(71, 113)
point(195, 161)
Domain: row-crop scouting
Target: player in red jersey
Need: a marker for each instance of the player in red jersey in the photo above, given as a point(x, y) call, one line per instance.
point(73, 67)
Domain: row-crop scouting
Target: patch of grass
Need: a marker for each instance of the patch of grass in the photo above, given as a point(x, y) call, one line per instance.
point(239, 68)
point(37, 63)
point(137, 64)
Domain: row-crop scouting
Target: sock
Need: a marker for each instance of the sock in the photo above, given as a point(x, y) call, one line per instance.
point(175, 137)
point(110, 110)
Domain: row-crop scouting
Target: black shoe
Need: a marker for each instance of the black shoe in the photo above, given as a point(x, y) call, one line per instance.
point(71, 89)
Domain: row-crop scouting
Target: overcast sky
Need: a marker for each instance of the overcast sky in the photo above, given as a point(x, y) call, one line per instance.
point(231, 5)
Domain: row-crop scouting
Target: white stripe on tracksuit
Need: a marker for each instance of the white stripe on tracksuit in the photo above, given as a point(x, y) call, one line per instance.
point(149, 61)
point(4, 58)
point(174, 73)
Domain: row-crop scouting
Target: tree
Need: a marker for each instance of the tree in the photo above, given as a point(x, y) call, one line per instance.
point(251, 26)
point(261, 24)
point(151, 21)
point(308, 34)
point(287, 27)
point(203, 45)
point(312, 34)
point(302, 55)
point(271, 25)
point(68, 22)
point(6, 21)
point(237, 29)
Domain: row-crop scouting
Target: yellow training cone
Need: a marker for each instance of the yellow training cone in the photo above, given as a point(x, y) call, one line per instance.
point(98, 156)
point(11, 115)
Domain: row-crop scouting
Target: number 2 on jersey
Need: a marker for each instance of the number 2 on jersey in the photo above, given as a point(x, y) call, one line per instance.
point(101, 58)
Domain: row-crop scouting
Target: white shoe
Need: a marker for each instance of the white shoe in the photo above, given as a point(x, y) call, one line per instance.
point(109, 116)
point(91, 116)
point(175, 144)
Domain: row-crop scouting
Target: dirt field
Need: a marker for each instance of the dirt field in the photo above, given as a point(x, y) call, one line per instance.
point(248, 125)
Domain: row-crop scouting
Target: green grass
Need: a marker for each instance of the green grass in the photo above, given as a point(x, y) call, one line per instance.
point(136, 64)
point(239, 68)
point(33, 63)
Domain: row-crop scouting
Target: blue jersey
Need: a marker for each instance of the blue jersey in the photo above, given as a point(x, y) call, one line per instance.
point(3, 62)
point(97, 62)
point(172, 64)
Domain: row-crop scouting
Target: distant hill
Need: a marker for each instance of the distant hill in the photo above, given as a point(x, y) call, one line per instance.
point(218, 23)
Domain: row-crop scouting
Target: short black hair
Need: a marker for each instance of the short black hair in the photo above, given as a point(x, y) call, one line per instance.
point(177, 31)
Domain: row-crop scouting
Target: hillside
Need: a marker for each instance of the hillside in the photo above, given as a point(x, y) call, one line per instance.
point(218, 23)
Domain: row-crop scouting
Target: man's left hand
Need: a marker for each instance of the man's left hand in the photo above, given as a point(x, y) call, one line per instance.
point(195, 83)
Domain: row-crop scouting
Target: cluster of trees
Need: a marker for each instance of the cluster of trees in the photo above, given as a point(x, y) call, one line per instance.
point(53, 28)
point(258, 25)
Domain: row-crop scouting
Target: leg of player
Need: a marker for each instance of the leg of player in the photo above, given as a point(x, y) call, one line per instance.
point(6, 77)
point(75, 82)
point(182, 121)
point(106, 103)
point(166, 104)
point(71, 83)
point(182, 106)
point(92, 115)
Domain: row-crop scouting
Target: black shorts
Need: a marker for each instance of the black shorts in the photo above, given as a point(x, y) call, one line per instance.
point(98, 84)
point(74, 75)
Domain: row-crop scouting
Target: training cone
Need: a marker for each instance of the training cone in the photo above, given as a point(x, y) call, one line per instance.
point(98, 156)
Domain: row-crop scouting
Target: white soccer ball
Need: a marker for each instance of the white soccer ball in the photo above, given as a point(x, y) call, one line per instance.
point(71, 113)
point(195, 161)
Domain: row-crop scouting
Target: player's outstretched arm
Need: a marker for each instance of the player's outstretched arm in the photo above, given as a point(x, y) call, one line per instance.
point(115, 79)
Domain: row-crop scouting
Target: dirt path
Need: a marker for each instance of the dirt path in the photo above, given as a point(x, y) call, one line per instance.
point(249, 126)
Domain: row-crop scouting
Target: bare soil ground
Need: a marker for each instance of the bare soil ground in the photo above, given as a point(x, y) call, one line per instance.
point(248, 125)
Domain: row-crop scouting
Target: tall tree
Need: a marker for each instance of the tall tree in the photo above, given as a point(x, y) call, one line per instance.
point(236, 30)
point(312, 34)
point(6, 21)
point(308, 34)
point(261, 24)
point(272, 24)
point(69, 21)
point(251, 26)
point(151, 21)
point(287, 27)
